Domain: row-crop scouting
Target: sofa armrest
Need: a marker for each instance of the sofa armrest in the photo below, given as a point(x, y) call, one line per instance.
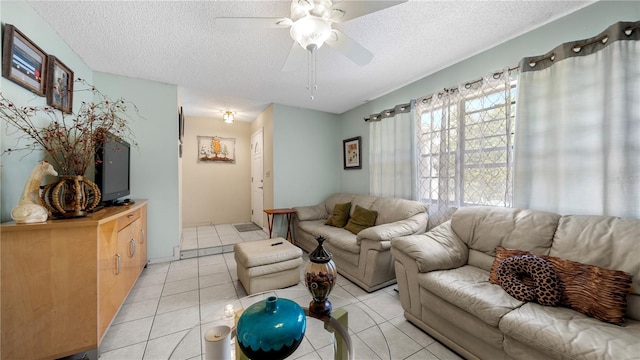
point(416, 224)
point(438, 249)
point(315, 212)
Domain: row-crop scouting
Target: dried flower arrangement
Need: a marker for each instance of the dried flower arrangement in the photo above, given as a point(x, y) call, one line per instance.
point(69, 140)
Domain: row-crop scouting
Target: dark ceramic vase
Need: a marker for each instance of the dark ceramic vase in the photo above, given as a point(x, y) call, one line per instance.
point(320, 277)
point(71, 196)
point(271, 329)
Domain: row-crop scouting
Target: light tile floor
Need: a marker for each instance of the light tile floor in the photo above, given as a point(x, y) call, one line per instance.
point(214, 239)
point(169, 299)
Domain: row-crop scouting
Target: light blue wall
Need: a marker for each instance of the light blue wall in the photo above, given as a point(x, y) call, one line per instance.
point(584, 23)
point(356, 181)
point(307, 156)
point(16, 168)
point(156, 134)
point(154, 166)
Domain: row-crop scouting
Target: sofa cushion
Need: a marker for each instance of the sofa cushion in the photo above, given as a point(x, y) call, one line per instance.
point(342, 239)
point(313, 227)
point(342, 257)
point(361, 219)
point(437, 249)
point(450, 321)
point(467, 287)
point(603, 241)
point(562, 333)
point(542, 286)
point(338, 198)
point(315, 212)
point(483, 228)
point(365, 201)
point(340, 215)
point(591, 290)
point(394, 209)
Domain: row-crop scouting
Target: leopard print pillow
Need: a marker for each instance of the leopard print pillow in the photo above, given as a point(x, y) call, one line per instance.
point(530, 278)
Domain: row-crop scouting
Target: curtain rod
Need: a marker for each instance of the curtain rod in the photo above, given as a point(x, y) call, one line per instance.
point(603, 38)
point(398, 109)
point(468, 84)
point(618, 31)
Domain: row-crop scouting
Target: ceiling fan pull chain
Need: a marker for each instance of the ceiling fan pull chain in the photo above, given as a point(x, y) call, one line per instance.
point(312, 85)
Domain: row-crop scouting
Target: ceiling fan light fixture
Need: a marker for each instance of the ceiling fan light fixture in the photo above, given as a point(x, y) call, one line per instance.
point(306, 5)
point(310, 30)
point(228, 117)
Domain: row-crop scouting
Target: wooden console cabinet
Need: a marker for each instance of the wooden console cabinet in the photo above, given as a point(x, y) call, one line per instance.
point(63, 281)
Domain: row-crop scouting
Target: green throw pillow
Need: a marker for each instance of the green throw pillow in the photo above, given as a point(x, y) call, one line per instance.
point(340, 215)
point(361, 219)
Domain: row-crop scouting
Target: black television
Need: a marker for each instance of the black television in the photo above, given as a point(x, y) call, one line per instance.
point(112, 170)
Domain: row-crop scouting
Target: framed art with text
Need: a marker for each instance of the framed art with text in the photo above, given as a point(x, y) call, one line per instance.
point(59, 85)
point(23, 62)
point(352, 153)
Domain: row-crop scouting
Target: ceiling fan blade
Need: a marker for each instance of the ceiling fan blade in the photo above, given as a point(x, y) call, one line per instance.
point(349, 47)
point(296, 58)
point(249, 23)
point(347, 10)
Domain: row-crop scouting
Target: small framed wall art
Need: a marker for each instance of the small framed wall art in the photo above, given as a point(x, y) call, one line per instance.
point(59, 85)
point(23, 62)
point(352, 153)
point(216, 149)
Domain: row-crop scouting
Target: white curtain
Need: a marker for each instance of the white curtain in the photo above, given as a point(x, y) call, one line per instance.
point(391, 152)
point(578, 127)
point(465, 142)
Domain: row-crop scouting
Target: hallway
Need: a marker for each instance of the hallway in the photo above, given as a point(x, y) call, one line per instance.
point(206, 240)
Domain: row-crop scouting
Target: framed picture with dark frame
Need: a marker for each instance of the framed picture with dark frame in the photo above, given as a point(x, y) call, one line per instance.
point(59, 85)
point(23, 62)
point(180, 125)
point(352, 153)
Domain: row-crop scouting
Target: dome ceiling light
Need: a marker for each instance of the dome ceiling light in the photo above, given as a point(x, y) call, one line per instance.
point(228, 116)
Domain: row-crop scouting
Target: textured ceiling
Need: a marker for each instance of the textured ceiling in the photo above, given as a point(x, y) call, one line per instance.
point(178, 42)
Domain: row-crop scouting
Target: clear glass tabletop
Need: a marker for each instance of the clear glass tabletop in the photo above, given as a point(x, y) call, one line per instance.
point(365, 338)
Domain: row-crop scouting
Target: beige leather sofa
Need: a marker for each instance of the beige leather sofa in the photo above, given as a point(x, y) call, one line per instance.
point(444, 288)
point(365, 259)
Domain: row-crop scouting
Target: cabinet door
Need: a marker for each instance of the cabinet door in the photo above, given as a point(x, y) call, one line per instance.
point(109, 298)
point(142, 232)
point(49, 291)
point(127, 249)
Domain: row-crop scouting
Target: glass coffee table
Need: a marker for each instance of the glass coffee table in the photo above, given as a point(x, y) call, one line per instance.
point(350, 333)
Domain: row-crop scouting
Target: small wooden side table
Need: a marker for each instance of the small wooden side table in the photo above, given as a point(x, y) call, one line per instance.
point(288, 213)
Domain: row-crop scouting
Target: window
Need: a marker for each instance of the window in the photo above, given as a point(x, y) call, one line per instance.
point(465, 146)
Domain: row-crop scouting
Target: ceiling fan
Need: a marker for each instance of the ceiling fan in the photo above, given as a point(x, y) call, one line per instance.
point(310, 28)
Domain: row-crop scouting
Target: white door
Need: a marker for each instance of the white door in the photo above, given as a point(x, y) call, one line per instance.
point(257, 181)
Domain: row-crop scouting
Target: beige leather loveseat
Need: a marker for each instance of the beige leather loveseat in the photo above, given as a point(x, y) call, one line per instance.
point(364, 258)
point(443, 280)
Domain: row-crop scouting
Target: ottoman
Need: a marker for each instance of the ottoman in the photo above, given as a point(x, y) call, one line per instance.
point(267, 264)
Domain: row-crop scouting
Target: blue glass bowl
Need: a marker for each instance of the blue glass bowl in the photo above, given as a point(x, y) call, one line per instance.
point(271, 329)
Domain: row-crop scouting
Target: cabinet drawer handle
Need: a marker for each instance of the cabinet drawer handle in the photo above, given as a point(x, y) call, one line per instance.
point(142, 236)
point(129, 216)
point(117, 264)
point(132, 247)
